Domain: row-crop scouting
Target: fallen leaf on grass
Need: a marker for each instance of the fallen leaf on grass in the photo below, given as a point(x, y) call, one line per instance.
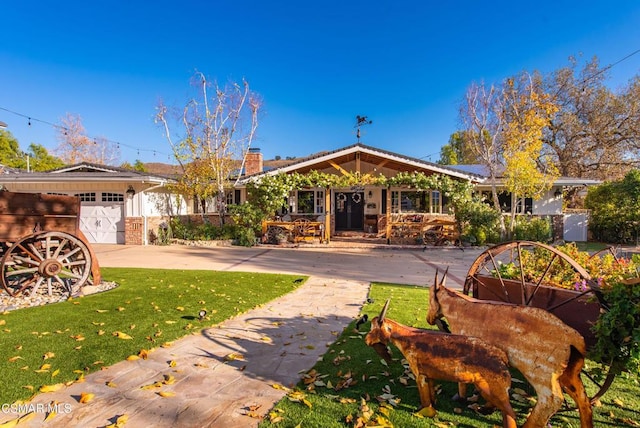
point(48, 355)
point(427, 412)
point(77, 337)
point(102, 311)
point(121, 335)
point(51, 388)
point(16, 358)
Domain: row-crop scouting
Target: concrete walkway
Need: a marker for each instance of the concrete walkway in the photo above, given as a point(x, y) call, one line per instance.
point(277, 341)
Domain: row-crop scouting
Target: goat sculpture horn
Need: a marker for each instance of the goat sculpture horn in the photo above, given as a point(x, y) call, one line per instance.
point(383, 313)
point(444, 277)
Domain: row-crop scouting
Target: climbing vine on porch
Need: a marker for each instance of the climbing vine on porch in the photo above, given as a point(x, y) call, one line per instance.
point(269, 194)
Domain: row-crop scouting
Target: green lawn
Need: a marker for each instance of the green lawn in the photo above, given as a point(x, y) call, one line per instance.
point(351, 384)
point(60, 342)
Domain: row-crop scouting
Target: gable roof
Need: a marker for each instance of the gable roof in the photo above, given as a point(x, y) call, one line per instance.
point(367, 154)
point(86, 171)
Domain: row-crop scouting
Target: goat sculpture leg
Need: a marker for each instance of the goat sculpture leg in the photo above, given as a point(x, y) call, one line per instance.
point(427, 392)
point(572, 384)
point(499, 397)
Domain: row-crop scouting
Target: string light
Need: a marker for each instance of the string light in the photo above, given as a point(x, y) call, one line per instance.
point(66, 131)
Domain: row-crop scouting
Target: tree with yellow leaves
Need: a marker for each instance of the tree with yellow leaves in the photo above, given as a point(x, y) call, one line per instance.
point(503, 128)
point(528, 112)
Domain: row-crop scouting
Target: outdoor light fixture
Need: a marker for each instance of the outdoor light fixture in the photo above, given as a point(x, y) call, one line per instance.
point(202, 314)
point(370, 194)
point(557, 193)
point(3, 125)
point(130, 192)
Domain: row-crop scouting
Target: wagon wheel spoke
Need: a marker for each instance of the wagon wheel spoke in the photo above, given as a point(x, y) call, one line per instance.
point(39, 281)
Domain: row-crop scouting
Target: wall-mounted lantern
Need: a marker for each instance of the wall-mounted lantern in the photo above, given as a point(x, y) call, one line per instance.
point(130, 192)
point(558, 192)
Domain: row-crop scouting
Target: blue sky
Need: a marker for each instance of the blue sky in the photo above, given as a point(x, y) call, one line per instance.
point(403, 64)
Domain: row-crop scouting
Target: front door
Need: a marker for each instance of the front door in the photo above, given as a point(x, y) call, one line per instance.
point(349, 210)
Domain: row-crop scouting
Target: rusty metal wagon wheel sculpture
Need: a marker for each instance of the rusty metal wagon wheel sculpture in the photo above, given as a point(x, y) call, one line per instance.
point(524, 273)
point(55, 260)
point(276, 233)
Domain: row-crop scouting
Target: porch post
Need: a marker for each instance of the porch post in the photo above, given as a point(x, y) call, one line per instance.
point(388, 214)
point(327, 215)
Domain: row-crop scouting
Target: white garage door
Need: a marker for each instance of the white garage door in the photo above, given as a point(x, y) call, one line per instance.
point(102, 224)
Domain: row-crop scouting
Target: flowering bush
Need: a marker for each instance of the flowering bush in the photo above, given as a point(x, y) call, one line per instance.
point(605, 269)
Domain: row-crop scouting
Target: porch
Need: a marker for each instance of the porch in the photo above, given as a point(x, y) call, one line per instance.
point(402, 229)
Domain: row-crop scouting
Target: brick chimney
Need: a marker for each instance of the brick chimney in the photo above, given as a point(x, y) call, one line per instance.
point(253, 162)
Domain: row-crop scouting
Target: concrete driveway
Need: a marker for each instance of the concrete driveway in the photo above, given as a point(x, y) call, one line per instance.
point(403, 266)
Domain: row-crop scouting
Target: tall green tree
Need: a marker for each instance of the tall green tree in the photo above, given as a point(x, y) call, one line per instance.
point(10, 153)
point(41, 160)
point(138, 165)
point(458, 150)
point(212, 135)
point(36, 158)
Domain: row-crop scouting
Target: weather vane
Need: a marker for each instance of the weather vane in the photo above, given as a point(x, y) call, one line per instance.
point(360, 121)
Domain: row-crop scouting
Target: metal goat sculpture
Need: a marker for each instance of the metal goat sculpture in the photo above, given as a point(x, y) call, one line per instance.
point(436, 355)
point(548, 353)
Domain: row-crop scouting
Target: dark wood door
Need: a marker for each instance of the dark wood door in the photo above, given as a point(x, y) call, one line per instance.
point(349, 210)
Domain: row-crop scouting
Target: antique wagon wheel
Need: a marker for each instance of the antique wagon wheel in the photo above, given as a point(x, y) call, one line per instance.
point(57, 260)
point(524, 272)
point(303, 227)
point(274, 233)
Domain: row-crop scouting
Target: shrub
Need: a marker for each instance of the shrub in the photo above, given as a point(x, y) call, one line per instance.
point(529, 228)
point(478, 222)
point(202, 231)
point(615, 209)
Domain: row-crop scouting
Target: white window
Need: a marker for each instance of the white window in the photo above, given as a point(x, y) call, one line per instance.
point(416, 201)
point(319, 201)
point(87, 197)
point(112, 197)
